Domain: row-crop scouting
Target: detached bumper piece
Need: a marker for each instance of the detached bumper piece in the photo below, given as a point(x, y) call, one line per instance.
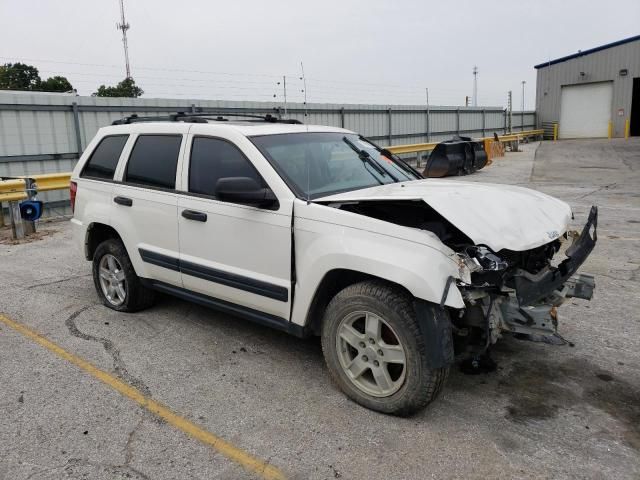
point(460, 156)
point(581, 285)
point(531, 289)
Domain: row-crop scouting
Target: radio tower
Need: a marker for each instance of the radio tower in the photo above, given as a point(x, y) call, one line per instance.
point(124, 26)
point(475, 86)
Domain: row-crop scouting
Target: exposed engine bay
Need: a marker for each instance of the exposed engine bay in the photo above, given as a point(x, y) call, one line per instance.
point(515, 292)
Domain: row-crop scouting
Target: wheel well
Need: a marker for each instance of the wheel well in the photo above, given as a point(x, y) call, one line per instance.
point(96, 234)
point(332, 283)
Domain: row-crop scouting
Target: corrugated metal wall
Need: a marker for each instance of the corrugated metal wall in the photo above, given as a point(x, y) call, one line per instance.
point(601, 66)
point(43, 133)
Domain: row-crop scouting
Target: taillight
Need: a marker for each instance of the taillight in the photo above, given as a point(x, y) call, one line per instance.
point(73, 188)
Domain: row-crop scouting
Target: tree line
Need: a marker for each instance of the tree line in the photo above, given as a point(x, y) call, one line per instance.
point(20, 76)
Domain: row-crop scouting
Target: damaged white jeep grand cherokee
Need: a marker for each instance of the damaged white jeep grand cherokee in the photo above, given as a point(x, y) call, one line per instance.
point(317, 231)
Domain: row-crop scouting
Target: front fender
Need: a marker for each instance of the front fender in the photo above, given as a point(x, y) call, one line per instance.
point(423, 270)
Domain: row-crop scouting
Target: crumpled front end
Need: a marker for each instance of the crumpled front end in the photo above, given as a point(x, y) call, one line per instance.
point(519, 292)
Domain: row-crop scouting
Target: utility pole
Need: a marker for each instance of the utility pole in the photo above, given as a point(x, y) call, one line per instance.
point(284, 82)
point(284, 87)
point(428, 119)
point(475, 86)
point(124, 26)
point(522, 112)
point(466, 100)
point(509, 110)
point(304, 88)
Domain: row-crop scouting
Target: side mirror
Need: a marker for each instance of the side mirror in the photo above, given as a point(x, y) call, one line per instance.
point(246, 191)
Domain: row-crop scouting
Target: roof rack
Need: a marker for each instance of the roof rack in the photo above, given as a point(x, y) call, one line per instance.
point(203, 117)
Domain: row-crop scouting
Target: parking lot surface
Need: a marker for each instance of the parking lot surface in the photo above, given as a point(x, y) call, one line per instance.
point(547, 412)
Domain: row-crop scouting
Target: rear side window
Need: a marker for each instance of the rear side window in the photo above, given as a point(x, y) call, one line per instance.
point(153, 161)
point(212, 159)
point(104, 159)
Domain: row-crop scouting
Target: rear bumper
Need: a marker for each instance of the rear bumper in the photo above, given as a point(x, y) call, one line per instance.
point(531, 288)
point(79, 232)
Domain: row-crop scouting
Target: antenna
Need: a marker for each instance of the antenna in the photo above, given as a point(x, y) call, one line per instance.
point(124, 26)
point(475, 86)
point(304, 88)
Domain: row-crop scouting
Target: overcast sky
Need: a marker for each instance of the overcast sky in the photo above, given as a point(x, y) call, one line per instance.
point(373, 51)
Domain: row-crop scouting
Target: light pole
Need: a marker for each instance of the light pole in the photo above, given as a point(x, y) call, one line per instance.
point(475, 86)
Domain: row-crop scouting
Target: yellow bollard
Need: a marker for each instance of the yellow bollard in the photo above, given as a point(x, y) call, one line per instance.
point(555, 132)
point(610, 131)
point(627, 128)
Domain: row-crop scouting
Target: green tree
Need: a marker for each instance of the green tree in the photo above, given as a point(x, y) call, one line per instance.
point(18, 76)
point(126, 88)
point(55, 84)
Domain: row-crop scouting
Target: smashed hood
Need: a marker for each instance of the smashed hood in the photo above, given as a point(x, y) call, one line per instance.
point(498, 216)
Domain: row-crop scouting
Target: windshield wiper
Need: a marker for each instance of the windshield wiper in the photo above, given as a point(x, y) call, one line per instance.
point(395, 158)
point(366, 158)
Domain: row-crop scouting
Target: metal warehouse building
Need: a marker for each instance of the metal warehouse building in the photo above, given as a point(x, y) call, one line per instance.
point(593, 93)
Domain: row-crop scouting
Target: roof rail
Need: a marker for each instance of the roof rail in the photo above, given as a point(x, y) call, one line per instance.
point(203, 117)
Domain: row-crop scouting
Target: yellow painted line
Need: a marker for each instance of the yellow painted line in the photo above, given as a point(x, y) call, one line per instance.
point(246, 460)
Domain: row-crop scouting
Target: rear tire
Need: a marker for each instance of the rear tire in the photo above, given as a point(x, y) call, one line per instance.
point(368, 330)
point(116, 281)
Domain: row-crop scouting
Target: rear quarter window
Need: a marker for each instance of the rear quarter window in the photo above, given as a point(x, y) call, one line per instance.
point(153, 161)
point(104, 159)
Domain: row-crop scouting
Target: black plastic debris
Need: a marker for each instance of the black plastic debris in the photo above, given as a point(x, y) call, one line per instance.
point(458, 156)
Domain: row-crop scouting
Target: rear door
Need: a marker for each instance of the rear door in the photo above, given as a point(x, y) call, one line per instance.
point(236, 253)
point(145, 203)
point(94, 198)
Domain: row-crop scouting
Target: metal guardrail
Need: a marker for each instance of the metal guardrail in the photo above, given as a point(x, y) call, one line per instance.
point(425, 147)
point(14, 190)
point(51, 181)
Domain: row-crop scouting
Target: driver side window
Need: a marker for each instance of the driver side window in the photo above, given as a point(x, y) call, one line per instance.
point(212, 159)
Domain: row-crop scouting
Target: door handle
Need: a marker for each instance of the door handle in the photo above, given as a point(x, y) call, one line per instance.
point(193, 215)
point(127, 202)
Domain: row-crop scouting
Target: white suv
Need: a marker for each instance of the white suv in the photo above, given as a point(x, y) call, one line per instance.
point(315, 230)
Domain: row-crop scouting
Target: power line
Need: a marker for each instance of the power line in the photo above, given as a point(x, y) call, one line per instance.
point(443, 96)
point(253, 85)
point(174, 81)
point(159, 69)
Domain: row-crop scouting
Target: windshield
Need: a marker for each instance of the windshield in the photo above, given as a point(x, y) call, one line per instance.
point(319, 164)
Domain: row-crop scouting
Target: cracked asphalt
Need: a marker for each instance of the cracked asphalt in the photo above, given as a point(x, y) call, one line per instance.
point(546, 412)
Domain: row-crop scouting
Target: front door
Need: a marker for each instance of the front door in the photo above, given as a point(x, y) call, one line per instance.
point(235, 253)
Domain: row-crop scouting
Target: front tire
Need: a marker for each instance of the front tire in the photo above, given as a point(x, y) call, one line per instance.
point(116, 281)
point(375, 351)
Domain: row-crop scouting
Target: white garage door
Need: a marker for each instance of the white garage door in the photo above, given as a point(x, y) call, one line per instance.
point(585, 110)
